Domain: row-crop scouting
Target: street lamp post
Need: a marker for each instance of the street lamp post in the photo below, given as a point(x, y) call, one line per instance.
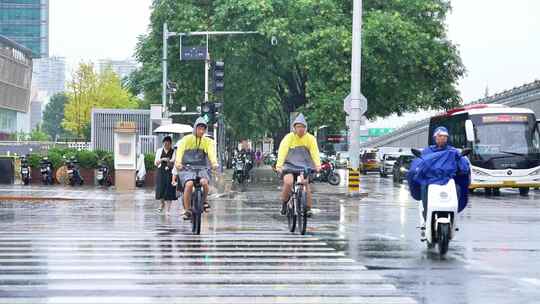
point(358, 103)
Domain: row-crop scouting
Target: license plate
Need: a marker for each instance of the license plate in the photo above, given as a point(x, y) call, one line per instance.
point(509, 183)
point(43, 170)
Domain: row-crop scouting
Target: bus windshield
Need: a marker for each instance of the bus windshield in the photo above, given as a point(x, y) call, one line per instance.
point(500, 135)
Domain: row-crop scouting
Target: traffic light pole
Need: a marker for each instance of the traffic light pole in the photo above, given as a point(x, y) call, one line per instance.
point(166, 36)
point(206, 69)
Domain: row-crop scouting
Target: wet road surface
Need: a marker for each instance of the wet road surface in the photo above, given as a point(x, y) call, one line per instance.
point(110, 248)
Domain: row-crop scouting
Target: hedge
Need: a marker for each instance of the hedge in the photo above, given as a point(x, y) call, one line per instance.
point(87, 159)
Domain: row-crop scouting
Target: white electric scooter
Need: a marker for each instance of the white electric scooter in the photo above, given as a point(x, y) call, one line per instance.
point(442, 213)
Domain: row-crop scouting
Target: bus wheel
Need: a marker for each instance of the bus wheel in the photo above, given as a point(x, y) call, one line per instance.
point(524, 191)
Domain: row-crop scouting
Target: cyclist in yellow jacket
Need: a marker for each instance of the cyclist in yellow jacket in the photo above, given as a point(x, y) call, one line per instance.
point(199, 151)
point(297, 150)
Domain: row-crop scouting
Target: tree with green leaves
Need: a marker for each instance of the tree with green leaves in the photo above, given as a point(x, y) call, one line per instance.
point(89, 90)
point(408, 62)
point(54, 115)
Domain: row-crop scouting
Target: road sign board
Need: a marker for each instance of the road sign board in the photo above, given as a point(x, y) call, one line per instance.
point(193, 53)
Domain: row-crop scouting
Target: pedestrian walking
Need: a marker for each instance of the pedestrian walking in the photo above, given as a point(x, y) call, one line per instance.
point(164, 161)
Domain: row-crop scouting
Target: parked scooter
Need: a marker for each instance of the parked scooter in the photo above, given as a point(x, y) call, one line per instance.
point(46, 169)
point(25, 171)
point(103, 175)
point(140, 172)
point(441, 222)
point(327, 174)
point(73, 172)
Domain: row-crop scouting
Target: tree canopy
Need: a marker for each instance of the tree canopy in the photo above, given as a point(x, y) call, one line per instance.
point(88, 90)
point(408, 63)
point(54, 115)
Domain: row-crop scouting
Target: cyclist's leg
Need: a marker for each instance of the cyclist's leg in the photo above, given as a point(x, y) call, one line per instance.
point(309, 195)
point(188, 189)
point(206, 187)
point(288, 181)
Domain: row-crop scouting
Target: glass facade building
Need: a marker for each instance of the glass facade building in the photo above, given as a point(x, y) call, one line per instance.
point(15, 84)
point(26, 22)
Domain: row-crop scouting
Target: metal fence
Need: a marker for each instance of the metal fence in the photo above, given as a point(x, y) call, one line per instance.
point(147, 144)
point(105, 120)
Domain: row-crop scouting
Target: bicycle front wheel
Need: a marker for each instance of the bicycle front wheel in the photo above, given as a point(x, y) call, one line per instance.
point(196, 213)
point(291, 217)
point(302, 212)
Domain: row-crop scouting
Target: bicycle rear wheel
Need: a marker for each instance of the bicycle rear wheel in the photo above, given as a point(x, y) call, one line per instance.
point(302, 212)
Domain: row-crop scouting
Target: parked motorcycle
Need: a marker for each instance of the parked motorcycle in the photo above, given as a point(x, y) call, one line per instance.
point(327, 174)
point(73, 172)
point(25, 171)
point(46, 169)
point(103, 175)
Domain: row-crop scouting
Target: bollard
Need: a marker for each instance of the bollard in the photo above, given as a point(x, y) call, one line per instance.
point(354, 182)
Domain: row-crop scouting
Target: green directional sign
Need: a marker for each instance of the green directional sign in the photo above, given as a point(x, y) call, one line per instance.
point(364, 139)
point(376, 132)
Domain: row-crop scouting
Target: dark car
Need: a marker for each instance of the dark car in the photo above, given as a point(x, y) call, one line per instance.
point(401, 168)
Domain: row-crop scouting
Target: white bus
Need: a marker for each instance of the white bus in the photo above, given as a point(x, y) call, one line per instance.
point(505, 145)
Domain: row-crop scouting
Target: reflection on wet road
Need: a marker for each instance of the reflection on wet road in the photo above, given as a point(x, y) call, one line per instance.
point(112, 248)
point(121, 251)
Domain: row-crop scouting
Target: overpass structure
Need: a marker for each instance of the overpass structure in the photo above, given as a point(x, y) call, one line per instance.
point(414, 135)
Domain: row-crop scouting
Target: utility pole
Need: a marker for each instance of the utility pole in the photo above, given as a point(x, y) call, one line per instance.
point(358, 103)
point(164, 70)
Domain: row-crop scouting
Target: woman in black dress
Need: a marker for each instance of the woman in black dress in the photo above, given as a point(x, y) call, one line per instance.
point(164, 161)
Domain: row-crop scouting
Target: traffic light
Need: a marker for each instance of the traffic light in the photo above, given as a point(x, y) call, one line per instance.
point(207, 112)
point(218, 76)
point(210, 111)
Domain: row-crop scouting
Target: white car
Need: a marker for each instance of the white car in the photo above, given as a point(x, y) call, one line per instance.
point(342, 160)
point(387, 164)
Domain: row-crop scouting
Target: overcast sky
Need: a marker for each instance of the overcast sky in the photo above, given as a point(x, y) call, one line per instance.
point(499, 40)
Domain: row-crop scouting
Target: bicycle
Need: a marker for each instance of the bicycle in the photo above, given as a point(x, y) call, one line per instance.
point(197, 204)
point(297, 204)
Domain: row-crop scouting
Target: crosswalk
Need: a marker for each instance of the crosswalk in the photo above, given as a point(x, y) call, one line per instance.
point(53, 254)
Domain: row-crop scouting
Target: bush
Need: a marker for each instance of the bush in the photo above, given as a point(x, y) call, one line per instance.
point(106, 157)
point(87, 159)
point(33, 160)
point(149, 162)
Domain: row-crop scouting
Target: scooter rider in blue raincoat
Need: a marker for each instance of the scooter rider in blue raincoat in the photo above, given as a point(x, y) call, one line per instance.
point(437, 165)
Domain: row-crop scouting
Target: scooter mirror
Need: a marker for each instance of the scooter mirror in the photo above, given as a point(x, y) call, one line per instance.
point(466, 151)
point(469, 131)
point(416, 152)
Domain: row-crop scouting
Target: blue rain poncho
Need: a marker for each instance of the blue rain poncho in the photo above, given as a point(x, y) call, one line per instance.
point(438, 166)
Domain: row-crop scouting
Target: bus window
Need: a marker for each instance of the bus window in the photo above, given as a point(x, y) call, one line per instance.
point(536, 138)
